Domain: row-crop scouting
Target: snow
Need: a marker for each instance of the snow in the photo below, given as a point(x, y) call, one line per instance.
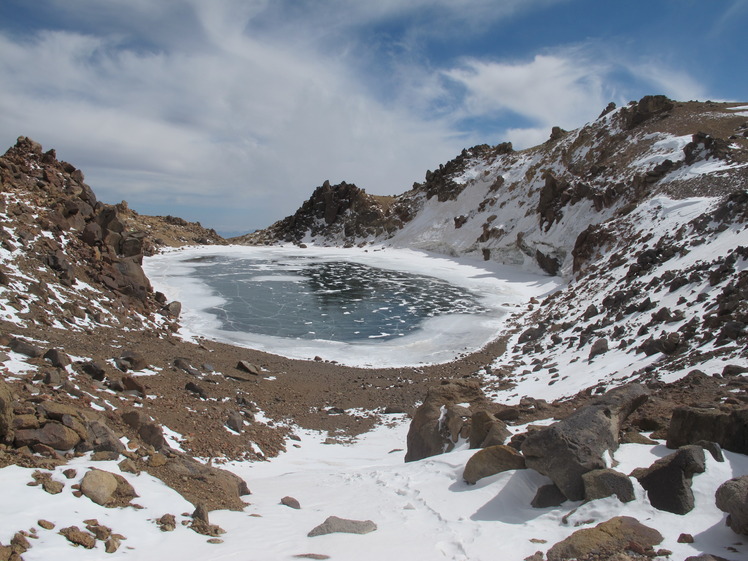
point(423, 510)
point(441, 339)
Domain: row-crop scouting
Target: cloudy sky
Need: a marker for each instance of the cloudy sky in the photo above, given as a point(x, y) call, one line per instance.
point(230, 112)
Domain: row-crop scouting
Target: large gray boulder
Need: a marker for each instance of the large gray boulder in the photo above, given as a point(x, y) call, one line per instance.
point(574, 446)
point(732, 498)
point(689, 425)
point(601, 483)
point(668, 480)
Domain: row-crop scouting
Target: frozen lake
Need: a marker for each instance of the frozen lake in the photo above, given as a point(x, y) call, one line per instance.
point(373, 307)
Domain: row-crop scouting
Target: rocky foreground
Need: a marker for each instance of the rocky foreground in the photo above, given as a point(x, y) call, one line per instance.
point(92, 363)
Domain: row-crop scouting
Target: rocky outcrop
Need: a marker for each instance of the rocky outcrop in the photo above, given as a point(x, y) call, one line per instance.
point(570, 448)
point(732, 498)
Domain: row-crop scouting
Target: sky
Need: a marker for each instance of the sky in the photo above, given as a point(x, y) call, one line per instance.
point(231, 112)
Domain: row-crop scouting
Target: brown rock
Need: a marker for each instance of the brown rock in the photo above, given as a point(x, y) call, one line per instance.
point(107, 489)
point(77, 537)
point(490, 461)
point(290, 502)
point(46, 524)
point(6, 414)
point(615, 535)
point(53, 434)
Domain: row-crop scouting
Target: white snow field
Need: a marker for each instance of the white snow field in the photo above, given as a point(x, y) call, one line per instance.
point(499, 288)
point(423, 510)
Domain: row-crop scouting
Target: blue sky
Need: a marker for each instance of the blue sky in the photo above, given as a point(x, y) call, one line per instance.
point(230, 112)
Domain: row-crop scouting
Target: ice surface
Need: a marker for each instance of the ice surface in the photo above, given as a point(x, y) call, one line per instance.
point(439, 339)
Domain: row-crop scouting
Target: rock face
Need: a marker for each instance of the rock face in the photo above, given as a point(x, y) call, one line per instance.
point(732, 498)
point(615, 535)
point(430, 432)
point(690, 425)
point(668, 480)
point(490, 461)
point(570, 448)
point(334, 524)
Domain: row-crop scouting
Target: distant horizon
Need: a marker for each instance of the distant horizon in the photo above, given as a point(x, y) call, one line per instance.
point(230, 113)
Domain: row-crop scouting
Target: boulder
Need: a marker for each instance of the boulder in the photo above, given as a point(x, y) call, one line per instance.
point(26, 348)
point(291, 502)
point(202, 484)
point(6, 413)
point(548, 496)
point(616, 535)
point(76, 536)
point(486, 430)
point(668, 480)
point(490, 461)
point(52, 434)
point(428, 434)
point(334, 524)
point(107, 489)
point(599, 347)
point(148, 430)
point(601, 483)
point(570, 448)
point(689, 425)
point(732, 498)
point(58, 358)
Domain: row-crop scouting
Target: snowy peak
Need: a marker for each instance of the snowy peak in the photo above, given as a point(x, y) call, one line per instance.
point(529, 207)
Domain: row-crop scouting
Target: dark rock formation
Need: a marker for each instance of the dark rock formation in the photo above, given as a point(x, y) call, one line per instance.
point(689, 425)
point(601, 483)
point(668, 480)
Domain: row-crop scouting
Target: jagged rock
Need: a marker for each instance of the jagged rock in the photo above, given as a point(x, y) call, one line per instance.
point(334, 524)
point(23, 347)
point(601, 483)
point(78, 537)
point(291, 502)
point(248, 367)
point(490, 461)
point(100, 438)
point(428, 434)
point(52, 434)
point(706, 557)
point(548, 496)
point(107, 489)
point(598, 347)
point(486, 430)
point(58, 358)
point(94, 368)
point(184, 365)
point(174, 309)
point(732, 498)
point(203, 484)
point(569, 448)
point(132, 360)
point(235, 421)
point(201, 524)
point(149, 431)
point(689, 425)
point(668, 480)
point(6, 414)
point(167, 523)
point(615, 535)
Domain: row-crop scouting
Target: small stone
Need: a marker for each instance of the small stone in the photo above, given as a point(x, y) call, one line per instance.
point(157, 460)
point(311, 556)
point(215, 540)
point(70, 473)
point(46, 524)
point(128, 466)
point(290, 502)
point(167, 523)
point(685, 538)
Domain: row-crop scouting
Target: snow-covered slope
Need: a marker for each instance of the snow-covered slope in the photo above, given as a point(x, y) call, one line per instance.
point(529, 208)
